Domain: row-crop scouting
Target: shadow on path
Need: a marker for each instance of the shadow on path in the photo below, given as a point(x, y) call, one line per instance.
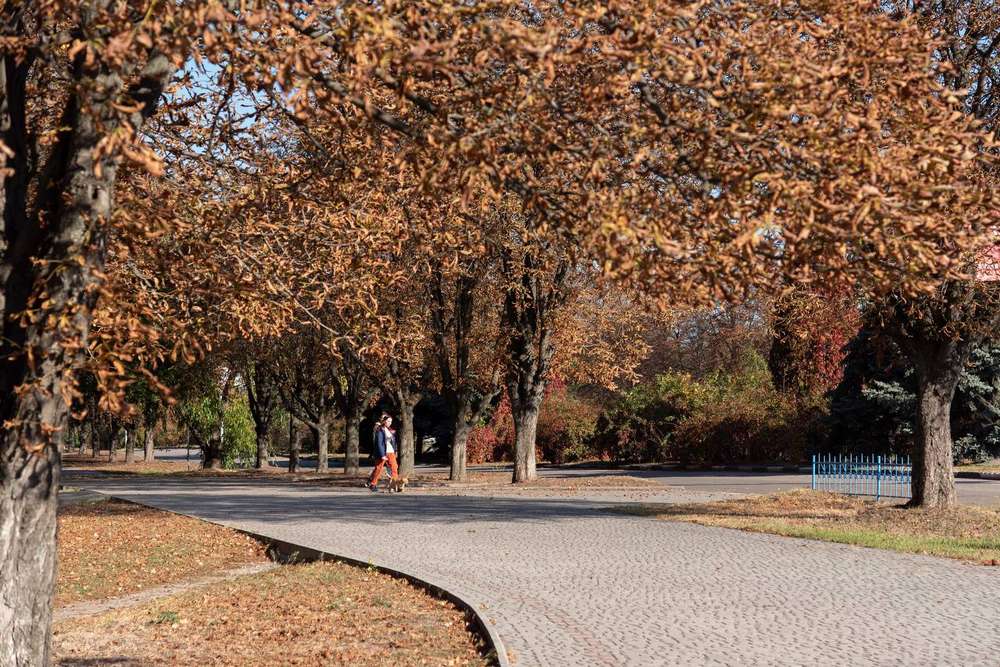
point(223, 500)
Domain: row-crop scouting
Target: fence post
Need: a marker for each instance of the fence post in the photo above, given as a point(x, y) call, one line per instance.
point(814, 473)
point(878, 480)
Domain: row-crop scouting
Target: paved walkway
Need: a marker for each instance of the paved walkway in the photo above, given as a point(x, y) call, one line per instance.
point(985, 492)
point(567, 583)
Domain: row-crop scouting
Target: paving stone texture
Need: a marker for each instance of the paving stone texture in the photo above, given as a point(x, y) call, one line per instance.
point(566, 582)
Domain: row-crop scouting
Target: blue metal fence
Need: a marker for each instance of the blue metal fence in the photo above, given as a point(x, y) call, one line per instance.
point(862, 475)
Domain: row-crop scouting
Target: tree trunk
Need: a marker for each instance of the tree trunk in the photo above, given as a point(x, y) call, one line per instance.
point(406, 440)
point(933, 474)
point(113, 446)
point(129, 447)
point(262, 459)
point(95, 440)
point(211, 454)
point(86, 437)
point(525, 427)
point(459, 472)
point(28, 492)
point(294, 446)
point(321, 436)
point(148, 442)
point(352, 444)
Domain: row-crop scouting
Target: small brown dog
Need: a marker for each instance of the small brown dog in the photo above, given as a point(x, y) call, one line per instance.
point(397, 484)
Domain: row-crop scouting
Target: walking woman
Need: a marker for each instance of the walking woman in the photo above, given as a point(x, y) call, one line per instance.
point(385, 451)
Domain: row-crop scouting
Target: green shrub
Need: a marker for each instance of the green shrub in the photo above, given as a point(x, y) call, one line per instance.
point(239, 440)
point(239, 443)
point(724, 417)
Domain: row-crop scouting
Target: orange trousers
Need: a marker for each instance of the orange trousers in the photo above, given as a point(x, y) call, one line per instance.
point(390, 458)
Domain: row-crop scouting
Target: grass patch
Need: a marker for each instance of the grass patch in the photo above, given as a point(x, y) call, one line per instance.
point(321, 613)
point(108, 549)
point(989, 466)
point(964, 533)
point(139, 467)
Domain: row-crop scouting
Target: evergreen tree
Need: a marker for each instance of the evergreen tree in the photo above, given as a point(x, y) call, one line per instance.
point(873, 409)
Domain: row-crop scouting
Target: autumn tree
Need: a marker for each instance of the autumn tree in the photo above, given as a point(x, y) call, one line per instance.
point(263, 398)
point(811, 329)
point(702, 148)
point(937, 332)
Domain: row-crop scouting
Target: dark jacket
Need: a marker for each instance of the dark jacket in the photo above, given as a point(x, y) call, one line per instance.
point(380, 438)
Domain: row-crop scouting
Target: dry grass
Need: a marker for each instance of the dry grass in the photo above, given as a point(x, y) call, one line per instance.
point(323, 613)
point(965, 533)
point(990, 466)
point(109, 549)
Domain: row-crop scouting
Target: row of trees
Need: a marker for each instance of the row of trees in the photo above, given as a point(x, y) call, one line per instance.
point(183, 179)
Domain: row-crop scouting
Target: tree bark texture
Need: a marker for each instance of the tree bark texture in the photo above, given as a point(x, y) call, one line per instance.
point(262, 397)
point(148, 444)
point(407, 446)
point(459, 463)
point(129, 447)
point(352, 444)
point(294, 446)
point(529, 304)
point(321, 438)
point(262, 458)
point(525, 428)
point(211, 454)
point(66, 228)
point(933, 483)
point(113, 444)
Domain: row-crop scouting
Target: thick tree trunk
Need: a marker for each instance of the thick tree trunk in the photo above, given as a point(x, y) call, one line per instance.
point(321, 436)
point(148, 444)
point(74, 204)
point(28, 486)
point(459, 471)
point(86, 437)
point(129, 447)
point(933, 474)
point(113, 446)
point(406, 440)
point(211, 455)
point(525, 427)
point(352, 444)
point(262, 459)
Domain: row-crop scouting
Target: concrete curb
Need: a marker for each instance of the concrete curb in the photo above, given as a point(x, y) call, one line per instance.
point(287, 552)
point(723, 468)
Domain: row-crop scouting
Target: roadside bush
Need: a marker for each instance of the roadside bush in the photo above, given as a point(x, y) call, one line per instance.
point(639, 426)
point(566, 426)
point(201, 416)
point(239, 442)
point(725, 417)
point(493, 440)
